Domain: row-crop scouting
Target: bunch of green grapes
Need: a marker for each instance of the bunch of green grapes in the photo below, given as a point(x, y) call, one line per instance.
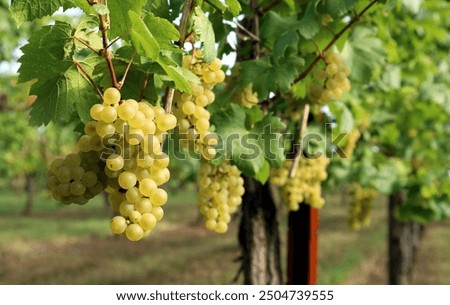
point(247, 97)
point(193, 118)
point(220, 193)
point(76, 178)
point(360, 206)
point(126, 136)
point(305, 186)
point(331, 81)
point(352, 137)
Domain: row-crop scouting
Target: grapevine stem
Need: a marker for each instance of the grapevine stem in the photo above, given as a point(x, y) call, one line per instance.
point(253, 36)
point(104, 25)
point(169, 99)
point(333, 41)
point(187, 9)
point(117, 38)
point(86, 45)
point(299, 152)
point(144, 86)
point(122, 81)
point(317, 47)
point(256, 45)
point(83, 70)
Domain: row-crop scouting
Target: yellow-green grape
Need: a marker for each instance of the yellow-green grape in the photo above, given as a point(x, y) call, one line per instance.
point(111, 96)
point(247, 97)
point(127, 180)
point(134, 232)
point(148, 221)
point(220, 193)
point(305, 186)
point(360, 206)
point(115, 162)
point(331, 80)
point(118, 224)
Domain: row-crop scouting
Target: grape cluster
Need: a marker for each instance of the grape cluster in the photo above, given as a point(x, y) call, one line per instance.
point(360, 206)
point(247, 97)
point(331, 81)
point(193, 118)
point(76, 178)
point(126, 137)
point(220, 193)
point(305, 186)
point(352, 137)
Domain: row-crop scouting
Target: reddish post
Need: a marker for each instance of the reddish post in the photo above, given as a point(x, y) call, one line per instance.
point(303, 246)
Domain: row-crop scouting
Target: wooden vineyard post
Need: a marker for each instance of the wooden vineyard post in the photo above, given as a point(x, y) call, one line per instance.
point(303, 246)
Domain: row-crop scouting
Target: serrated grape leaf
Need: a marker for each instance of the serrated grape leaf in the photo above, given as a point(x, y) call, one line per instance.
point(218, 5)
point(47, 58)
point(288, 40)
point(56, 97)
point(205, 33)
point(309, 24)
point(142, 39)
point(81, 90)
point(271, 139)
point(343, 117)
point(83, 4)
point(273, 26)
point(364, 54)
point(337, 8)
point(264, 174)
point(87, 31)
point(29, 10)
point(100, 9)
point(177, 74)
point(234, 7)
point(121, 20)
point(164, 31)
point(251, 148)
point(44, 50)
point(271, 77)
point(236, 142)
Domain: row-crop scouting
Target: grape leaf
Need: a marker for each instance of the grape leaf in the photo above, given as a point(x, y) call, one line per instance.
point(45, 49)
point(121, 20)
point(142, 39)
point(264, 174)
point(163, 31)
point(29, 10)
point(249, 147)
point(101, 9)
point(48, 59)
point(364, 54)
point(177, 74)
point(218, 5)
point(337, 8)
point(205, 33)
point(309, 25)
point(234, 7)
point(87, 32)
point(271, 139)
point(271, 77)
point(273, 26)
